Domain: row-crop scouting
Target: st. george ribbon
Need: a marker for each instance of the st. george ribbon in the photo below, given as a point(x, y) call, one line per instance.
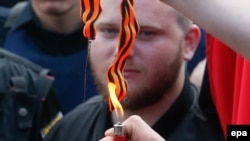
point(129, 29)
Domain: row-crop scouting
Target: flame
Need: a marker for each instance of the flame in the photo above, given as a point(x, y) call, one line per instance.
point(114, 100)
point(117, 86)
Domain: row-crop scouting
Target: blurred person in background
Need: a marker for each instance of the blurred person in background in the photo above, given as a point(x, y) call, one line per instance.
point(49, 33)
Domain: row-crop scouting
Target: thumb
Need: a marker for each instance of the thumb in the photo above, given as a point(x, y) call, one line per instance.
point(139, 130)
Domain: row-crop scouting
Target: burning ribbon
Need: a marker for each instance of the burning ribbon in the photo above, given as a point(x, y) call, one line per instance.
point(129, 28)
point(128, 32)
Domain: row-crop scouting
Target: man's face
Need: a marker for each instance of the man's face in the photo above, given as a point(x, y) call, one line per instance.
point(55, 7)
point(155, 60)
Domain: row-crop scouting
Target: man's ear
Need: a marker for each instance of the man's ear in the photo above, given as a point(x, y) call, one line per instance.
point(192, 39)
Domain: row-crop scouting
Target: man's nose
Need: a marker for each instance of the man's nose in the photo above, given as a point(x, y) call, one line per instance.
point(129, 51)
point(133, 49)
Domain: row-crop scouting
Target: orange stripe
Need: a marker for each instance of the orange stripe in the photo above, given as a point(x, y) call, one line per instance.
point(90, 11)
point(129, 30)
point(85, 10)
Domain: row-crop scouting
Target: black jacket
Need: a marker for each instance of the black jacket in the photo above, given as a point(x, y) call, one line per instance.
point(182, 122)
point(28, 104)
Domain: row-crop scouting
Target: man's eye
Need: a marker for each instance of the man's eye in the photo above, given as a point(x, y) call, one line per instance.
point(109, 32)
point(146, 33)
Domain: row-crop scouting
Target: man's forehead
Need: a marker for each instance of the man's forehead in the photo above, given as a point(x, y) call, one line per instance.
point(144, 11)
point(110, 10)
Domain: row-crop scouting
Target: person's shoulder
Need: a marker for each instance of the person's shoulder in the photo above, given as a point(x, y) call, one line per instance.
point(20, 14)
point(200, 126)
point(94, 100)
point(84, 111)
point(12, 18)
point(4, 12)
point(81, 121)
point(94, 104)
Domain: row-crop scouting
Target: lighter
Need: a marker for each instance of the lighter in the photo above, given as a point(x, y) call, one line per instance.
point(119, 132)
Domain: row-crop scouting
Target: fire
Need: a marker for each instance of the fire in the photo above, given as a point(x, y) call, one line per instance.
point(114, 100)
point(117, 85)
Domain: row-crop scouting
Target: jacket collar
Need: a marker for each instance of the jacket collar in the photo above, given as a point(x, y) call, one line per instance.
point(185, 102)
point(25, 17)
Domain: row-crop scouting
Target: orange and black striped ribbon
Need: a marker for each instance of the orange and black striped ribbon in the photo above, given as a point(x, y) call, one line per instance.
point(90, 10)
point(128, 32)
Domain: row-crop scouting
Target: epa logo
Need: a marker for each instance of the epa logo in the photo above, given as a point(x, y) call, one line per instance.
point(238, 134)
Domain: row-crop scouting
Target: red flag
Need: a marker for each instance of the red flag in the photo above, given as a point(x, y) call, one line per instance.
point(229, 75)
